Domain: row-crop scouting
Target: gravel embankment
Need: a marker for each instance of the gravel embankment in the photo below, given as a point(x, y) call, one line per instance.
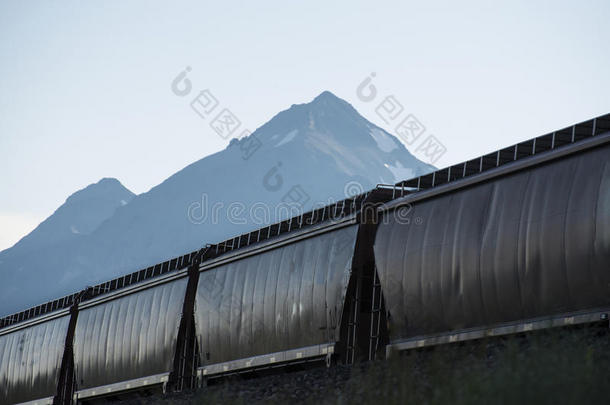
point(557, 367)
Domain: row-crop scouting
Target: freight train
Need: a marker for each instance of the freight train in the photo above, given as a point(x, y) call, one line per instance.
point(513, 241)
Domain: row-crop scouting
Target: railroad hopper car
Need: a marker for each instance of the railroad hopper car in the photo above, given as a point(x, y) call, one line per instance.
point(270, 303)
point(30, 359)
point(516, 240)
point(524, 249)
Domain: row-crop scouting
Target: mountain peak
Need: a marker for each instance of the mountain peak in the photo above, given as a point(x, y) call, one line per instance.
point(82, 213)
point(106, 187)
point(323, 100)
point(109, 180)
point(328, 101)
point(327, 96)
point(326, 113)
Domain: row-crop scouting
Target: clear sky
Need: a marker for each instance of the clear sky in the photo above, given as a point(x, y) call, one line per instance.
point(85, 87)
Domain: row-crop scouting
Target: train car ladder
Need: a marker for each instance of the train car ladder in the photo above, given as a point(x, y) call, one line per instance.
point(352, 323)
point(376, 302)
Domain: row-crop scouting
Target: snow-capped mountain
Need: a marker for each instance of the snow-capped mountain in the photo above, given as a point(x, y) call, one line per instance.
point(310, 154)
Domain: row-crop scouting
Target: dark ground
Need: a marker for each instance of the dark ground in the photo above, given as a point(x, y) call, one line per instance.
point(568, 366)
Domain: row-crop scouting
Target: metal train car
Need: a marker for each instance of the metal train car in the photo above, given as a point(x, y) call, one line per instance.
point(517, 249)
point(513, 241)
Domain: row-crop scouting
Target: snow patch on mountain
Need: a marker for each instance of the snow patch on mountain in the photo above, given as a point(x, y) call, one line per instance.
point(384, 142)
point(289, 137)
point(400, 172)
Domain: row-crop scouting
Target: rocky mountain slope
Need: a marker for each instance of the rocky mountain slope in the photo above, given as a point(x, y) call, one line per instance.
point(310, 154)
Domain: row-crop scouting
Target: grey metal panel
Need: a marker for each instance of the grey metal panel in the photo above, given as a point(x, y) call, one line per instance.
point(532, 243)
point(128, 337)
point(506, 328)
point(30, 360)
point(269, 359)
point(276, 300)
point(147, 381)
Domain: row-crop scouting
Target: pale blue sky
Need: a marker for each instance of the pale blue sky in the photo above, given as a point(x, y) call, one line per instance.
point(85, 86)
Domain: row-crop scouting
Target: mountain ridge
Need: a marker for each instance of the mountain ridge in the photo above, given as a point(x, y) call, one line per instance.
point(81, 213)
point(311, 151)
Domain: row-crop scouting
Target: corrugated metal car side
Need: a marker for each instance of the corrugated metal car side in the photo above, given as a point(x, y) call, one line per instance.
point(128, 337)
point(529, 244)
point(285, 298)
point(30, 360)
